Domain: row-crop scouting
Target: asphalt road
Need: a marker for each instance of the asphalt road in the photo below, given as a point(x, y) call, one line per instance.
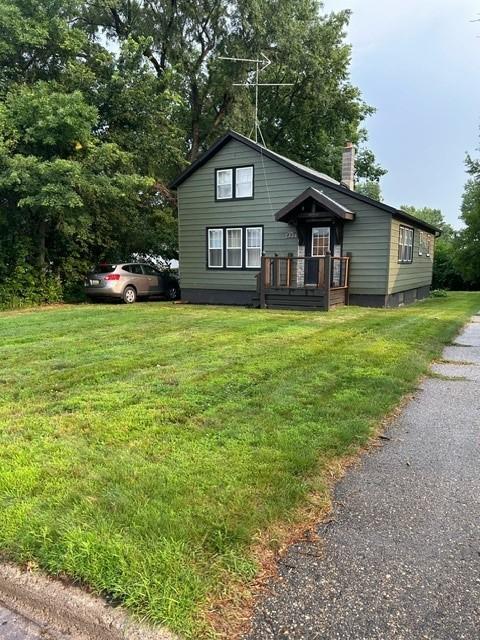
point(401, 558)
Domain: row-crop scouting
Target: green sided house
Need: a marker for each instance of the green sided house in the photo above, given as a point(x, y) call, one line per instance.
point(256, 228)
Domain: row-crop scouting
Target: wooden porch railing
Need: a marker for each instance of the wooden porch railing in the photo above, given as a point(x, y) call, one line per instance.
point(286, 273)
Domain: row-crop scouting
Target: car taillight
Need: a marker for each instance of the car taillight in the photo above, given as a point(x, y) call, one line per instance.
point(112, 276)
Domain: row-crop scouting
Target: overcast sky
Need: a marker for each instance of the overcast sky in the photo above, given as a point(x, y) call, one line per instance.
point(418, 63)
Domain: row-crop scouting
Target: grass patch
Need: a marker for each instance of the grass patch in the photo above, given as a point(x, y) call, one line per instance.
point(143, 448)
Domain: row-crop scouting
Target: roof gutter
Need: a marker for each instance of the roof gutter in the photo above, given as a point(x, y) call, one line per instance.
point(406, 217)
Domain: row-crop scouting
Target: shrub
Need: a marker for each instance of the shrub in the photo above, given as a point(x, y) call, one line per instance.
point(27, 286)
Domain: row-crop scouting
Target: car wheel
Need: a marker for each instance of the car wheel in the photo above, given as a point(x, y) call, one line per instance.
point(129, 295)
point(172, 293)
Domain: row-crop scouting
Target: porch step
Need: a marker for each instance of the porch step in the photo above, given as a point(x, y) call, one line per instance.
point(296, 301)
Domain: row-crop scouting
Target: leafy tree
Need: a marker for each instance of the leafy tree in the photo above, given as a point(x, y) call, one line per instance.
point(446, 274)
point(183, 42)
point(468, 243)
point(84, 143)
point(431, 216)
point(370, 188)
point(38, 40)
point(65, 192)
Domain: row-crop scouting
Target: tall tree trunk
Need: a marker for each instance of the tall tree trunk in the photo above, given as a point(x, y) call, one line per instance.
point(196, 112)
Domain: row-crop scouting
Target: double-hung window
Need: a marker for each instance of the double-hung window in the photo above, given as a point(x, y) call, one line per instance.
point(234, 184)
point(428, 244)
point(215, 248)
point(405, 244)
point(234, 248)
point(224, 184)
point(425, 243)
point(244, 182)
point(253, 247)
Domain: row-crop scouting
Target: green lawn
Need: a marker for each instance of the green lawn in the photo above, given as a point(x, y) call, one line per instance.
point(143, 448)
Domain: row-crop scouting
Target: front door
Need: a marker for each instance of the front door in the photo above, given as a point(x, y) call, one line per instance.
point(316, 246)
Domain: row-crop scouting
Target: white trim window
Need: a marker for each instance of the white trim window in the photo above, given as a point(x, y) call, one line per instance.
point(244, 182)
point(234, 248)
point(224, 179)
point(320, 241)
point(253, 247)
point(421, 243)
point(405, 245)
point(215, 248)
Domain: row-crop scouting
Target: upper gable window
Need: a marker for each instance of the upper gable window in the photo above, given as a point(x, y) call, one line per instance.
point(224, 179)
point(234, 184)
point(244, 182)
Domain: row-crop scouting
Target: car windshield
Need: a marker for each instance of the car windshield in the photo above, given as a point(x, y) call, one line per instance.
point(105, 268)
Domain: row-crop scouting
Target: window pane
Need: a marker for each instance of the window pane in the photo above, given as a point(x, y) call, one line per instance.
point(254, 257)
point(234, 258)
point(224, 183)
point(105, 268)
point(244, 182)
point(215, 237)
point(215, 258)
point(405, 244)
point(320, 241)
point(215, 247)
point(234, 238)
point(150, 271)
point(234, 247)
point(254, 247)
point(254, 238)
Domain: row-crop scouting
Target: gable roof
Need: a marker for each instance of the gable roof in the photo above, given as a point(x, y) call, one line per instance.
point(301, 170)
point(320, 198)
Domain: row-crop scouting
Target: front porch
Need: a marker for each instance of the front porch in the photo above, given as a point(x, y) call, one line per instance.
point(303, 282)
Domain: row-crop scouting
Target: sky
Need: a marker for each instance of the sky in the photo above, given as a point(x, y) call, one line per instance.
point(418, 63)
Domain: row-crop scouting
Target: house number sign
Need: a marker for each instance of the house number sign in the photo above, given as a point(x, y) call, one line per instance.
point(290, 234)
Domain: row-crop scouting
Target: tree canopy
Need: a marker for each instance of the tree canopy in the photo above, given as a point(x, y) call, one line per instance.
point(446, 274)
point(468, 244)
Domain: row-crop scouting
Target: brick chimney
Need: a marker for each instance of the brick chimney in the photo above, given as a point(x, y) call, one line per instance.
point(348, 166)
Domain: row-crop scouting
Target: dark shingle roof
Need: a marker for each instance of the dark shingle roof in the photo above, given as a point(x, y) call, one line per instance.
point(300, 169)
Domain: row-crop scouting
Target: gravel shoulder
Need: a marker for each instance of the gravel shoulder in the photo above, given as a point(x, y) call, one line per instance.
point(35, 607)
point(400, 558)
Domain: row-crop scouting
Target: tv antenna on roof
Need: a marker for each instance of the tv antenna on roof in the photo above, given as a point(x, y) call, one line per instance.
point(265, 63)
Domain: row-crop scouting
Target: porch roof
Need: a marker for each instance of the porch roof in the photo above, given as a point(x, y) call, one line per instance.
point(296, 207)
